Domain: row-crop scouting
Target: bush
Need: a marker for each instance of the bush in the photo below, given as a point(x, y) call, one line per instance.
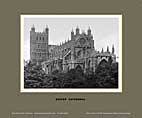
point(105, 76)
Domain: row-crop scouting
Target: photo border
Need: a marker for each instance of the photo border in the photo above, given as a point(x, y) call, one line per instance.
point(70, 90)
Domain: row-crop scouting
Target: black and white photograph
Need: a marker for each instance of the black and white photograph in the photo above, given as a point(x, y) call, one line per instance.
point(71, 53)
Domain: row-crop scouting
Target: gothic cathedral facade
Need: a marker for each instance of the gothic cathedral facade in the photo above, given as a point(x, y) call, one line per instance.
point(79, 52)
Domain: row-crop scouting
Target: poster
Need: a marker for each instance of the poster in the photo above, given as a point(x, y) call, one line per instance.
point(114, 39)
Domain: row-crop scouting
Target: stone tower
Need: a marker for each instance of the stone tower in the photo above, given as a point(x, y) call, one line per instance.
point(39, 45)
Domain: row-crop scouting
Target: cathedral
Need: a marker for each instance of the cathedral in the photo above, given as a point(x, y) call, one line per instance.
point(79, 52)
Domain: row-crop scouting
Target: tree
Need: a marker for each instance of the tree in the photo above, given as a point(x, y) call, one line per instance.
point(105, 77)
point(34, 77)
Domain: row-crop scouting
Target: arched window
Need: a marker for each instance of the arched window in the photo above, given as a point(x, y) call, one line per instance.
point(78, 67)
point(89, 64)
point(38, 45)
point(103, 62)
point(68, 68)
point(79, 53)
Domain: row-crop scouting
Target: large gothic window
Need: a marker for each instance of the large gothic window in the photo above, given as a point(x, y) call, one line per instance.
point(82, 41)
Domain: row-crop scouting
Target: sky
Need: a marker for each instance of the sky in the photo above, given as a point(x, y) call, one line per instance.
point(105, 31)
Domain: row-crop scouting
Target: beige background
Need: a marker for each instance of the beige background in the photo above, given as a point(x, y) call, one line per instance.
point(11, 100)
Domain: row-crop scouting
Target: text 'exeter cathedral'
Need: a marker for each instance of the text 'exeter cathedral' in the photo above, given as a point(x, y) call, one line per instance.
point(74, 53)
